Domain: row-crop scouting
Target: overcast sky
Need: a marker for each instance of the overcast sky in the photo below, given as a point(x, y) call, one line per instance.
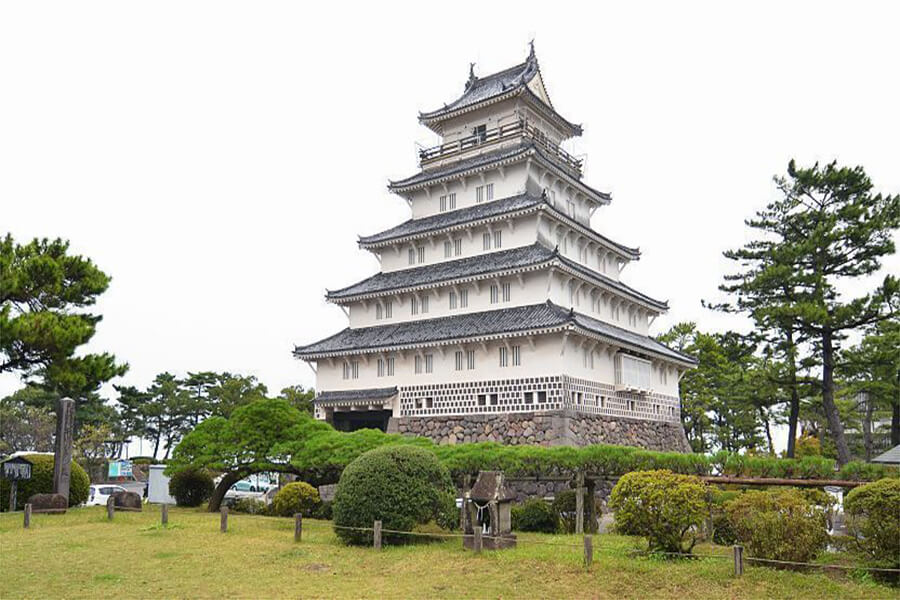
point(219, 159)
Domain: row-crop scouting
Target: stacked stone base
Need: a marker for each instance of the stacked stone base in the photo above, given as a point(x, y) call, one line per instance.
point(557, 428)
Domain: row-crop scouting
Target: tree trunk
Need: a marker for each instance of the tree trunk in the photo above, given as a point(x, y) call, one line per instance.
point(764, 415)
point(228, 480)
point(867, 427)
point(794, 414)
point(895, 423)
point(831, 411)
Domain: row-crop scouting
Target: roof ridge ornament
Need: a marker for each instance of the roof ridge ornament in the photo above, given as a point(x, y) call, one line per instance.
point(472, 77)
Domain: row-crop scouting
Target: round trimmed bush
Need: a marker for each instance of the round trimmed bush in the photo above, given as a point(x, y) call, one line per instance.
point(250, 506)
point(534, 515)
point(778, 524)
point(191, 487)
point(402, 486)
point(874, 521)
point(296, 497)
point(41, 482)
point(662, 506)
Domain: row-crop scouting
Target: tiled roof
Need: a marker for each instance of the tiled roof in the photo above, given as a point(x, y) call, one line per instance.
point(476, 266)
point(453, 269)
point(891, 457)
point(477, 212)
point(483, 88)
point(497, 86)
point(521, 319)
point(485, 161)
point(356, 395)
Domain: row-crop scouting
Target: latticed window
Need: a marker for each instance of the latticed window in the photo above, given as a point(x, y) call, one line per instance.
point(390, 366)
point(443, 202)
point(479, 194)
point(463, 298)
point(421, 253)
point(412, 256)
point(380, 368)
point(379, 312)
point(418, 365)
point(452, 296)
point(505, 289)
point(388, 310)
point(459, 360)
point(425, 301)
point(457, 246)
point(429, 363)
point(489, 191)
point(448, 249)
point(495, 294)
point(504, 356)
point(414, 305)
point(470, 359)
point(498, 239)
point(486, 241)
point(516, 356)
point(351, 370)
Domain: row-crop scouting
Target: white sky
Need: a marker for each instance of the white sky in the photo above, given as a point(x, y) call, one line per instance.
point(218, 159)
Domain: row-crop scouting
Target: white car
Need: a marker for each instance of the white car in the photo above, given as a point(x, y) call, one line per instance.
point(99, 494)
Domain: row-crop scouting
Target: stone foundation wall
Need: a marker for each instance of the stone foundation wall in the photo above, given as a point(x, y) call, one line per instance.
point(557, 428)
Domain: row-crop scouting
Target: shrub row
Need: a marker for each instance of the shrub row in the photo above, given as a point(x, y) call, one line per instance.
point(41, 482)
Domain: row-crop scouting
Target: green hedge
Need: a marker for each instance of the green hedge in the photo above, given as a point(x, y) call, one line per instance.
point(191, 487)
point(296, 497)
point(873, 518)
point(534, 515)
point(41, 482)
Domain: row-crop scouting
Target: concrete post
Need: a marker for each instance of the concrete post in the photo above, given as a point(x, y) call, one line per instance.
point(476, 546)
point(62, 456)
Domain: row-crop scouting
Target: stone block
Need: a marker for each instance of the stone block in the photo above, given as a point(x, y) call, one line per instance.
point(128, 501)
point(48, 503)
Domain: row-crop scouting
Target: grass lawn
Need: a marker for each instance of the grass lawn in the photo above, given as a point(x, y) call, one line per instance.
point(81, 554)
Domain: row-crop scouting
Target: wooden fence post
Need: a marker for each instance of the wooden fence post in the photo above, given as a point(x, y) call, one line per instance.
point(164, 513)
point(476, 546)
point(738, 561)
point(223, 523)
point(110, 507)
point(27, 516)
point(298, 527)
point(579, 505)
point(377, 535)
point(13, 486)
point(588, 551)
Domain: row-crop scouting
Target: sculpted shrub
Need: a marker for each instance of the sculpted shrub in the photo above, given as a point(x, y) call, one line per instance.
point(782, 524)
point(402, 486)
point(191, 487)
point(534, 515)
point(296, 497)
point(664, 507)
point(873, 519)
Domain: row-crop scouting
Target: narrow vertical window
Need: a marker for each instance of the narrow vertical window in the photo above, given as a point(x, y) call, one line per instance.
point(486, 241)
point(459, 360)
point(452, 296)
point(421, 253)
point(425, 300)
point(418, 365)
point(448, 249)
point(504, 357)
point(414, 305)
point(452, 200)
point(463, 298)
point(388, 310)
point(489, 192)
point(379, 312)
point(570, 208)
point(346, 370)
point(479, 194)
point(495, 294)
point(457, 246)
point(412, 256)
point(516, 356)
point(443, 203)
point(470, 359)
point(498, 239)
point(354, 369)
point(505, 289)
point(429, 363)
point(381, 367)
point(390, 366)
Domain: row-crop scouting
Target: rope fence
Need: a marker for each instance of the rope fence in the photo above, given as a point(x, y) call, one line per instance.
point(478, 536)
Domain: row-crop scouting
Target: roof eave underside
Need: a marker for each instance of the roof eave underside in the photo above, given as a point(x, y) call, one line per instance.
point(398, 187)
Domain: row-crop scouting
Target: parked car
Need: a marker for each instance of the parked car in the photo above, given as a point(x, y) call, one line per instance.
point(245, 489)
point(99, 494)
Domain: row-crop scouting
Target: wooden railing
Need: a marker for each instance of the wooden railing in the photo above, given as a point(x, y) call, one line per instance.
point(499, 134)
